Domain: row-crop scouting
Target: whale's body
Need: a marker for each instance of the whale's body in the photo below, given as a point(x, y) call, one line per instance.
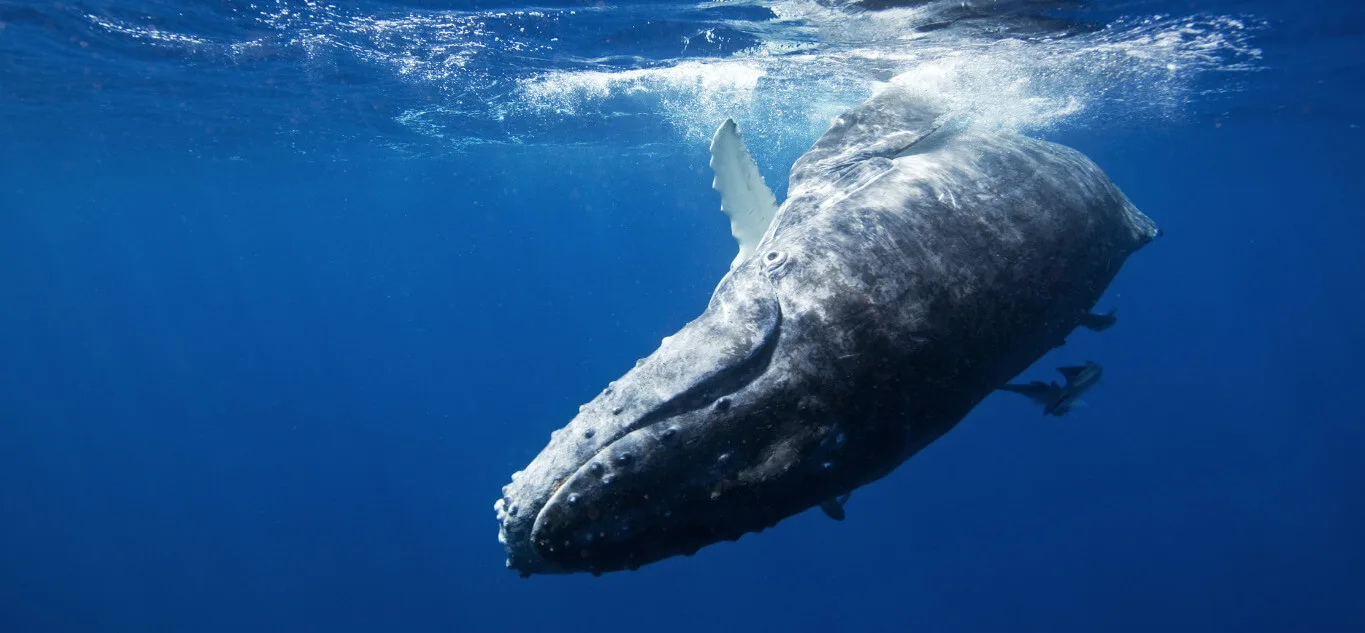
point(911, 271)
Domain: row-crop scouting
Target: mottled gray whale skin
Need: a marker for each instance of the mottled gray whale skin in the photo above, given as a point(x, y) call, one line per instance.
point(912, 270)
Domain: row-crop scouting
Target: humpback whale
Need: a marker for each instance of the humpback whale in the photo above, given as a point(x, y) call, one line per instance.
point(915, 267)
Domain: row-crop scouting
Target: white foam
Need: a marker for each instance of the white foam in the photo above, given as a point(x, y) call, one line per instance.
point(694, 95)
point(147, 33)
point(815, 61)
point(806, 65)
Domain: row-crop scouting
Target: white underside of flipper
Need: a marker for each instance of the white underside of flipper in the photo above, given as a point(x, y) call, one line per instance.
point(743, 194)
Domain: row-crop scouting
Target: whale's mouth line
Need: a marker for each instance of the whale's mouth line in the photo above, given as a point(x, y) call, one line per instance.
point(709, 392)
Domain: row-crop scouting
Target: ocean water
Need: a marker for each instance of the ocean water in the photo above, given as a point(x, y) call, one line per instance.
point(289, 288)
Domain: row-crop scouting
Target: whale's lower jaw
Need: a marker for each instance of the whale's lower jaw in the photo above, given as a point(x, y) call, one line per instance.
point(611, 544)
point(625, 538)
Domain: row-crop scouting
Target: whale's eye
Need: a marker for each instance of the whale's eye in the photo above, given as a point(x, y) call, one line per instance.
point(774, 260)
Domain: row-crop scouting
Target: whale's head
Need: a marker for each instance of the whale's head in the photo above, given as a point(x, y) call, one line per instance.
point(696, 444)
point(734, 422)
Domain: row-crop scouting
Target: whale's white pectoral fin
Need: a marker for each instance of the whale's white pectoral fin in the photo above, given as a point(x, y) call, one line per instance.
point(743, 195)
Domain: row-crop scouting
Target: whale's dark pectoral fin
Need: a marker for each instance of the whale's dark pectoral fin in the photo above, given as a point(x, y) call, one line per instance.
point(1099, 322)
point(1036, 391)
point(1071, 373)
point(834, 508)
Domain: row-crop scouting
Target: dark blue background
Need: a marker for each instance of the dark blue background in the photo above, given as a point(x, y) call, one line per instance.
point(282, 393)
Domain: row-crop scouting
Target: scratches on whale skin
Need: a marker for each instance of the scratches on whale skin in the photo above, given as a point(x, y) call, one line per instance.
point(951, 199)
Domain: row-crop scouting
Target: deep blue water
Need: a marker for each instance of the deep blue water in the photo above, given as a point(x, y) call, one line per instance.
point(288, 290)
